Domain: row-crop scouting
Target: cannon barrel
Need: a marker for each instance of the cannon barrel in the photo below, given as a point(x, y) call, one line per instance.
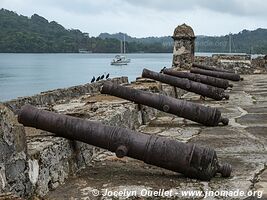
point(191, 86)
point(188, 110)
point(189, 159)
point(217, 74)
point(209, 80)
point(206, 67)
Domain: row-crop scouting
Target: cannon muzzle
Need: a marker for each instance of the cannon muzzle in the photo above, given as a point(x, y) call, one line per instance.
point(209, 80)
point(188, 110)
point(217, 74)
point(189, 159)
point(191, 86)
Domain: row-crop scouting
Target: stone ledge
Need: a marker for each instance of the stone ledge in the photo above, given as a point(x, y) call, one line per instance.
point(60, 95)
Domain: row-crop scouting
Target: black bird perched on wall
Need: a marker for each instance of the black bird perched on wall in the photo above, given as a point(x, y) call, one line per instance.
point(102, 77)
point(98, 78)
point(93, 79)
point(162, 69)
point(107, 76)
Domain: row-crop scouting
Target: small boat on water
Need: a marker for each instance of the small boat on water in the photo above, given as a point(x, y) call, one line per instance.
point(122, 58)
point(84, 51)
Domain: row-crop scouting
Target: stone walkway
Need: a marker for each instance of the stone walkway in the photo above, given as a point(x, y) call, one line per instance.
point(242, 144)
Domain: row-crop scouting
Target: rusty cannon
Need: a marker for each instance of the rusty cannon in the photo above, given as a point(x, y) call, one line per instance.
point(189, 159)
point(217, 74)
point(188, 110)
point(212, 68)
point(209, 80)
point(191, 86)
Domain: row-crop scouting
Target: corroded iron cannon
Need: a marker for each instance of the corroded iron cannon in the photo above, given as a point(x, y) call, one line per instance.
point(191, 86)
point(189, 159)
point(217, 74)
point(188, 110)
point(209, 80)
point(206, 67)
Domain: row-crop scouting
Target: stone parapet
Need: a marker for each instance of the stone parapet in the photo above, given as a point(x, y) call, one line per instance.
point(242, 64)
point(52, 97)
point(13, 155)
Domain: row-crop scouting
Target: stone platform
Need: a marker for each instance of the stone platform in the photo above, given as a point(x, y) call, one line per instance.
point(242, 144)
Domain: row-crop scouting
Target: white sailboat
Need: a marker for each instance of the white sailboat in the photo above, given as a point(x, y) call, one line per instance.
point(121, 59)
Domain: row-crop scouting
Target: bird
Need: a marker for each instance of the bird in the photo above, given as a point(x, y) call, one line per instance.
point(93, 79)
point(102, 77)
point(161, 71)
point(107, 76)
point(98, 78)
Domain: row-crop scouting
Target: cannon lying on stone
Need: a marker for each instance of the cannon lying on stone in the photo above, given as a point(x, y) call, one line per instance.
point(191, 86)
point(206, 67)
point(217, 74)
point(209, 80)
point(189, 159)
point(188, 110)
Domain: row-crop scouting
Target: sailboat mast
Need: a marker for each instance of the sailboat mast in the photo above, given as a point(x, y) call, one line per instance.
point(121, 47)
point(124, 44)
point(230, 43)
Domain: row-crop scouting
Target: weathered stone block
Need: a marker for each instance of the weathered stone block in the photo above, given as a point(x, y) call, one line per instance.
point(13, 155)
point(51, 161)
point(184, 47)
point(147, 114)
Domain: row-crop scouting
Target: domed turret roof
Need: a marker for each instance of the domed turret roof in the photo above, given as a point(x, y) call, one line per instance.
point(183, 31)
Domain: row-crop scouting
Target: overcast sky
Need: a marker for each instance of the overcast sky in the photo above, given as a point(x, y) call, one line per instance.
point(141, 18)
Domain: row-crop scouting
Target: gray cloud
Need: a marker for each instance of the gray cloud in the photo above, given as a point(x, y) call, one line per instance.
point(86, 7)
point(238, 7)
point(233, 7)
point(147, 17)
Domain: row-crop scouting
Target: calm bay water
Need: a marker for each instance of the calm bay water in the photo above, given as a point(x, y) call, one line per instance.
point(28, 74)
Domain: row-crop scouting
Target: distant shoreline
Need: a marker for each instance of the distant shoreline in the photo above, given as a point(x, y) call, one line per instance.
point(120, 53)
point(196, 53)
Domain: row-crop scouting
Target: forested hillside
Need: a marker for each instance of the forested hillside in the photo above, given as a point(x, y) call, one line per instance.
point(21, 34)
point(243, 42)
point(35, 34)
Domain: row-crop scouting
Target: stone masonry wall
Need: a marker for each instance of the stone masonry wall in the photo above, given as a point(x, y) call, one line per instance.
point(184, 47)
point(259, 65)
point(13, 155)
point(52, 97)
point(241, 64)
point(182, 53)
